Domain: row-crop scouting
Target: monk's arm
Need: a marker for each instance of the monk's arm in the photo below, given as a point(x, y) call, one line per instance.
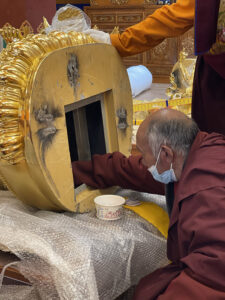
point(167, 21)
point(116, 169)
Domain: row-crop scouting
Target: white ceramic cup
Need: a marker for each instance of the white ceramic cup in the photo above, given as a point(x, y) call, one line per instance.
point(109, 207)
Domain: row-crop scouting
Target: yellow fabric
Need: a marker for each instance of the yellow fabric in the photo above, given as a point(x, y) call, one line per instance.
point(154, 214)
point(167, 21)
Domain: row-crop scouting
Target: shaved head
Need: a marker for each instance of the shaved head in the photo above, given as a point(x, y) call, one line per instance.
point(159, 115)
point(168, 113)
point(167, 126)
point(166, 136)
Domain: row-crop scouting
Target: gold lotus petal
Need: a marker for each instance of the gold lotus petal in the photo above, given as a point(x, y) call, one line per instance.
point(9, 134)
point(18, 64)
point(44, 40)
point(14, 157)
point(9, 130)
point(61, 37)
point(11, 90)
point(9, 140)
point(31, 51)
point(13, 70)
point(9, 125)
point(4, 84)
point(8, 112)
point(12, 78)
point(10, 97)
point(47, 47)
point(9, 104)
point(7, 151)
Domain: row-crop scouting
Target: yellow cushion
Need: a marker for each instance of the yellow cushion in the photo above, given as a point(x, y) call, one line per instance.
point(153, 214)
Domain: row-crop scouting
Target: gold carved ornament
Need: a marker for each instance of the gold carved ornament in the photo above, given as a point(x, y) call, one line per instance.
point(37, 79)
point(181, 77)
point(115, 30)
point(151, 1)
point(119, 2)
point(9, 33)
point(17, 62)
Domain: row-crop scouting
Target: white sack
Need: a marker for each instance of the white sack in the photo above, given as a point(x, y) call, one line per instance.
point(140, 79)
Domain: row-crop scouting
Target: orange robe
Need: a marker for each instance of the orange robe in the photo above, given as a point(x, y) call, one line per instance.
point(208, 105)
point(167, 21)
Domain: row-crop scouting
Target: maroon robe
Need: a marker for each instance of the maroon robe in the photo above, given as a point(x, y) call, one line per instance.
point(196, 237)
point(208, 102)
point(116, 169)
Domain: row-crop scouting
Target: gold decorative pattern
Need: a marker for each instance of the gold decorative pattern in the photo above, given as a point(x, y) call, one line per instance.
point(161, 53)
point(9, 33)
point(181, 77)
point(119, 2)
point(151, 1)
point(187, 43)
point(41, 28)
point(93, 2)
point(68, 14)
point(129, 18)
point(115, 30)
point(104, 19)
point(17, 64)
point(26, 28)
point(43, 77)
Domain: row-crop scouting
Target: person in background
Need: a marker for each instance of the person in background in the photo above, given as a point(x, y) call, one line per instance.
point(208, 17)
point(191, 165)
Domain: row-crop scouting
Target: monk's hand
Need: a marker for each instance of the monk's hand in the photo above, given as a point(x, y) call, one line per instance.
point(99, 36)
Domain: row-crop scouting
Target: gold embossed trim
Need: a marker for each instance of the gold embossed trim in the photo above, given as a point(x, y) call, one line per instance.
point(69, 13)
point(119, 2)
point(151, 1)
point(18, 63)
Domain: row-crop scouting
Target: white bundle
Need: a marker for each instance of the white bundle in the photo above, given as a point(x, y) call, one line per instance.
point(69, 18)
point(140, 79)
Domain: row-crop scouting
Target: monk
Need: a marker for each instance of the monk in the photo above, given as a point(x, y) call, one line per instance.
point(208, 17)
point(191, 165)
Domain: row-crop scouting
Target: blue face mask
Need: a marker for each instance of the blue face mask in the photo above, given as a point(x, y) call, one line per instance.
point(165, 177)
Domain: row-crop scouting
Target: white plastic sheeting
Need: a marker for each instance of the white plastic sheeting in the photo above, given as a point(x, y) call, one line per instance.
point(77, 256)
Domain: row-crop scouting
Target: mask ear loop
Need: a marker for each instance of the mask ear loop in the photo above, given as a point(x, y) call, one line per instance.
point(158, 157)
point(2, 274)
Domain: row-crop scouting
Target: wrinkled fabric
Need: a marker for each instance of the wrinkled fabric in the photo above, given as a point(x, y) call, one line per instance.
point(205, 10)
point(116, 169)
point(208, 101)
point(77, 256)
point(206, 36)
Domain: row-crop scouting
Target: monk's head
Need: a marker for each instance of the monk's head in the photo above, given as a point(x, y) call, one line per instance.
point(164, 138)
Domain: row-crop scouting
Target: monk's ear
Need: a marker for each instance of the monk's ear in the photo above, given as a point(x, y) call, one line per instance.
point(167, 154)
